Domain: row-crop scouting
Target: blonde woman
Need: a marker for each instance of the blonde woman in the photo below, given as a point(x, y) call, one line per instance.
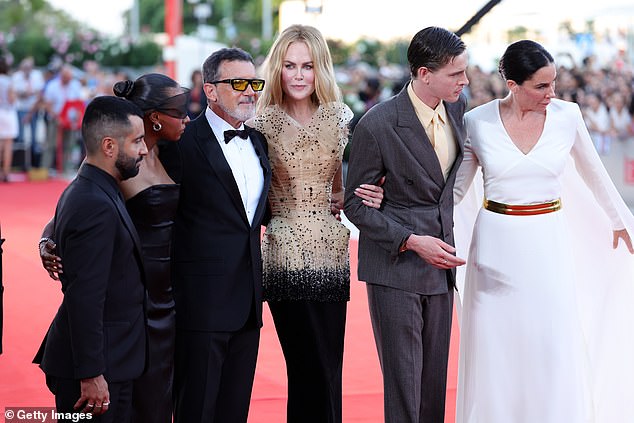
point(305, 248)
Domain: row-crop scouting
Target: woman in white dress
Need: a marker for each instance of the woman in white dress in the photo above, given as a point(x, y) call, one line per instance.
point(8, 121)
point(545, 328)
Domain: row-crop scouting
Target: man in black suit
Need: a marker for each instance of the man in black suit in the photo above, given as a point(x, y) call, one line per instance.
point(96, 344)
point(216, 260)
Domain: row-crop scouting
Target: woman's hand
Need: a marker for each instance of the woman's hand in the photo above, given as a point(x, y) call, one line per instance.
point(622, 234)
point(371, 195)
point(51, 262)
point(336, 204)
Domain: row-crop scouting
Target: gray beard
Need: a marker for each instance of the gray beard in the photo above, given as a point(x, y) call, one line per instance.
point(238, 114)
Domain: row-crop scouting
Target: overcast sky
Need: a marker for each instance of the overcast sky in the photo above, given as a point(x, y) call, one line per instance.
point(104, 16)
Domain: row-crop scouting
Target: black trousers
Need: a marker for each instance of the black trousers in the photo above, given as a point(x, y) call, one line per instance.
point(311, 334)
point(68, 391)
point(213, 375)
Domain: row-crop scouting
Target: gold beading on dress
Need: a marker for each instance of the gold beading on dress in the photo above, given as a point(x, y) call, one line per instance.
point(305, 249)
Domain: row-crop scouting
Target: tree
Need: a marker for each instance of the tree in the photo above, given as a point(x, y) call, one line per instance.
point(238, 22)
point(34, 28)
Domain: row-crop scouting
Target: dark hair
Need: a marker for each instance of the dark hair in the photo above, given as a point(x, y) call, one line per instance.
point(194, 73)
point(106, 116)
point(211, 67)
point(522, 59)
point(148, 91)
point(433, 48)
point(4, 66)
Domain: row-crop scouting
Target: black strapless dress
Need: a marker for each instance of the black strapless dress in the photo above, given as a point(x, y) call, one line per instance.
point(152, 211)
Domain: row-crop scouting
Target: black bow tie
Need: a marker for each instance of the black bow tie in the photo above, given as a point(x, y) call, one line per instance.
point(232, 133)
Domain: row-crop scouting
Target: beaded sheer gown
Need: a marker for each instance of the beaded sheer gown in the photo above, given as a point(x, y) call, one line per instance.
point(305, 249)
point(152, 211)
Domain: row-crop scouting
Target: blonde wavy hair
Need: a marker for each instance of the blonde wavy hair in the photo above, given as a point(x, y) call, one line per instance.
point(326, 89)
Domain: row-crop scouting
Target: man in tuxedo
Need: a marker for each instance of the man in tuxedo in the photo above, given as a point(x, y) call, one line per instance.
point(406, 255)
point(96, 346)
point(216, 260)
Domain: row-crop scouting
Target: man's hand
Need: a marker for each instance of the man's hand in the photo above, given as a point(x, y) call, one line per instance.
point(51, 262)
point(95, 397)
point(371, 195)
point(434, 251)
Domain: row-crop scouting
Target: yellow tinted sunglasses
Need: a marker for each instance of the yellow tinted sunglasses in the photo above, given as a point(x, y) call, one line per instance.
point(242, 84)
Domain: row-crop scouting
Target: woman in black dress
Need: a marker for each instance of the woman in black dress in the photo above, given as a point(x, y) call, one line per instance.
point(151, 199)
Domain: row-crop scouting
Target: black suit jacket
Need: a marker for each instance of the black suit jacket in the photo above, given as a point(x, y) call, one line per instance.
point(216, 258)
point(100, 325)
point(390, 141)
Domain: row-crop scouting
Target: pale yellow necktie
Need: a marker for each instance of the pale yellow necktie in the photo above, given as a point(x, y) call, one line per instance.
point(439, 141)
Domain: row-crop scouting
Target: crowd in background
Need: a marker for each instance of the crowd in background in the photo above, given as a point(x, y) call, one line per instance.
point(49, 103)
point(604, 94)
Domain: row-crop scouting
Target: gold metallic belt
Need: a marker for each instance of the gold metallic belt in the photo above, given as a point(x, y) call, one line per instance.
point(524, 209)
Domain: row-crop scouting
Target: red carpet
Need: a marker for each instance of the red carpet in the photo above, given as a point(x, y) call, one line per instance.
point(31, 300)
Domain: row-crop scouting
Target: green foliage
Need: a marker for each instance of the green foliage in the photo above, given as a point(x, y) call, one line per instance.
point(396, 52)
point(517, 33)
point(141, 54)
point(238, 22)
point(369, 51)
point(372, 52)
point(34, 28)
point(32, 43)
point(339, 51)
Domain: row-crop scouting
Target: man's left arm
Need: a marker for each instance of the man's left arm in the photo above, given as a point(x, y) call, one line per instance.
point(366, 166)
point(87, 251)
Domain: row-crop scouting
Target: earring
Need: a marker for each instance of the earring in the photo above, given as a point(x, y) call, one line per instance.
point(157, 126)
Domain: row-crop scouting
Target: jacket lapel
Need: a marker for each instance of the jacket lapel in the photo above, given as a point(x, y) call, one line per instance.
point(259, 143)
point(116, 197)
point(415, 138)
point(208, 144)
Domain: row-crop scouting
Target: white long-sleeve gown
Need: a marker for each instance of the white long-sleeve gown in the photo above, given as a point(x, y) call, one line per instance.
point(546, 323)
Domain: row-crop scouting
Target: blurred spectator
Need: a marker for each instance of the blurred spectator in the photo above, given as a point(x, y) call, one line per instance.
point(597, 120)
point(91, 80)
point(483, 86)
point(620, 118)
point(370, 93)
point(197, 98)
point(478, 91)
point(58, 94)
point(40, 108)
point(398, 85)
point(367, 96)
point(568, 84)
point(8, 121)
point(27, 84)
